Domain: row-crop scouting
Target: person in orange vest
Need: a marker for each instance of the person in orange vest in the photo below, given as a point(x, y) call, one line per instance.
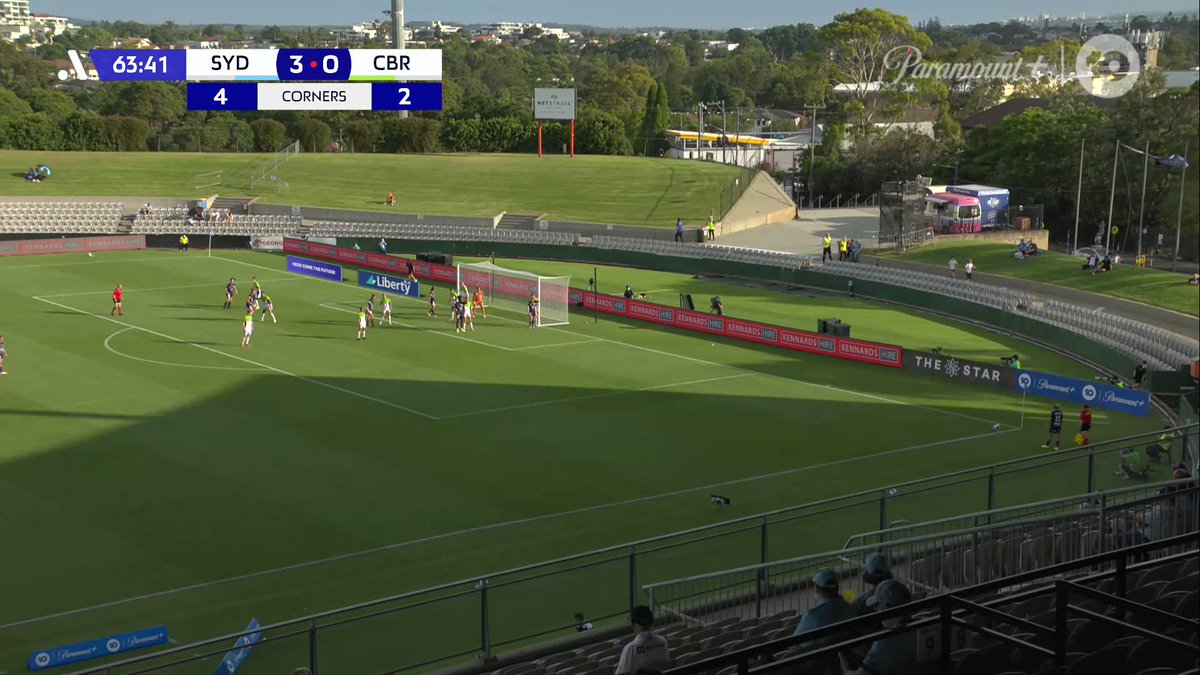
point(391, 200)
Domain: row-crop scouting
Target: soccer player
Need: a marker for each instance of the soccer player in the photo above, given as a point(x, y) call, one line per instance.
point(251, 303)
point(247, 328)
point(479, 302)
point(468, 317)
point(268, 308)
point(118, 295)
point(362, 323)
point(533, 310)
point(1056, 422)
point(432, 303)
point(371, 311)
point(387, 310)
point(230, 291)
point(1085, 423)
point(3, 353)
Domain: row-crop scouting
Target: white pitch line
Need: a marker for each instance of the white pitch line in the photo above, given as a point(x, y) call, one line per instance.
point(245, 360)
point(829, 387)
point(110, 348)
point(588, 397)
point(496, 526)
point(330, 305)
point(554, 344)
point(161, 288)
point(124, 261)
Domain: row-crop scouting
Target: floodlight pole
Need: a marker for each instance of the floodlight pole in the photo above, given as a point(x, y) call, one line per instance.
point(398, 40)
point(1078, 198)
point(1179, 221)
point(1142, 210)
point(1112, 195)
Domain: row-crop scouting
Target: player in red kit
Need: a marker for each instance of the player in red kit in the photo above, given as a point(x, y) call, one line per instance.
point(1085, 423)
point(118, 294)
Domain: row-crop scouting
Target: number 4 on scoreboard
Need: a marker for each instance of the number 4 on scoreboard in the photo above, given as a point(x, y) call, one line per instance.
point(221, 97)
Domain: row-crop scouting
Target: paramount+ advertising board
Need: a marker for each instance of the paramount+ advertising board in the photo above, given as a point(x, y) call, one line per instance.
point(959, 370)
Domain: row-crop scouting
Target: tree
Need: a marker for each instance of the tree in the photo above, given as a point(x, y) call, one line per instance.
point(503, 134)
point(127, 133)
point(84, 130)
point(872, 46)
point(461, 135)
point(314, 135)
point(159, 103)
point(12, 105)
point(52, 102)
point(655, 121)
point(363, 135)
point(415, 134)
point(32, 131)
point(269, 135)
point(532, 33)
point(783, 42)
point(603, 134)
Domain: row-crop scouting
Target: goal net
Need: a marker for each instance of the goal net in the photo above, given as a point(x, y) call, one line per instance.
point(511, 290)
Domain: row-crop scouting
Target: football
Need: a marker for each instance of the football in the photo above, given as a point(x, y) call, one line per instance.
point(996, 426)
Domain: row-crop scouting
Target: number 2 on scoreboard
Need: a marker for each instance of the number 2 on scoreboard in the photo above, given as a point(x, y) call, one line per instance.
point(405, 95)
point(221, 97)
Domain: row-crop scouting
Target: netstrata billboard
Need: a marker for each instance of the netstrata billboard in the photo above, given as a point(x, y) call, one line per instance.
point(959, 370)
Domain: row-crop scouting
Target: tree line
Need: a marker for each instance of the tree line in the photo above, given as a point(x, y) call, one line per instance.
point(632, 88)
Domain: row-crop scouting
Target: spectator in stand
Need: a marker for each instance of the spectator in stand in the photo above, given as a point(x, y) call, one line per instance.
point(646, 650)
point(892, 655)
point(875, 572)
point(953, 267)
point(855, 250)
point(969, 268)
point(1133, 465)
point(831, 608)
point(679, 230)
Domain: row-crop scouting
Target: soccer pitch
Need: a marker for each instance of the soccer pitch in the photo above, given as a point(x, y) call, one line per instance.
point(146, 458)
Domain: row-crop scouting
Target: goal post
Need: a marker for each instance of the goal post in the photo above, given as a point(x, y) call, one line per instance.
point(510, 290)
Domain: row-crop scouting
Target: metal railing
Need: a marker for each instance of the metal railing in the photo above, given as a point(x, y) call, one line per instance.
point(934, 621)
point(732, 192)
point(942, 561)
point(478, 617)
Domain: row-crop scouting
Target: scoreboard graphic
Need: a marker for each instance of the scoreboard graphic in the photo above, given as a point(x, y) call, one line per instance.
point(287, 79)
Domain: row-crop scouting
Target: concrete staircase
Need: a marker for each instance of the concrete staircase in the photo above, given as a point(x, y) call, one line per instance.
point(513, 221)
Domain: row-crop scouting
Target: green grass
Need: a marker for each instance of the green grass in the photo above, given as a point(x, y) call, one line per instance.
point(149, 452)
point(1153, 287)
point(587, 188)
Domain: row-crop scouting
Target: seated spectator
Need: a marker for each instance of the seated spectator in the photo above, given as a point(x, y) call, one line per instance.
point(831, 608)
point(646, 650)
point(582, 626)
point(628, 292)
point(1089, 264)
point(1032, 248)
point(1106, 264)
point(875, 572)
point(893, 655)
point(1022, 247)
point(1133, 465)
point(1195, 280)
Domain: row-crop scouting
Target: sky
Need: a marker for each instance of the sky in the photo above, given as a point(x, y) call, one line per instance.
point(613, 13)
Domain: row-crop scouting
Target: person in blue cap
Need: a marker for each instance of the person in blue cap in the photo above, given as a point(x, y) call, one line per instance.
point(831, 608)
point(875, 572)
point(892, 655)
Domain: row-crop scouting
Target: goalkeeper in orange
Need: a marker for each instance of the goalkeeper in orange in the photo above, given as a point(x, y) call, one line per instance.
point(477, 303)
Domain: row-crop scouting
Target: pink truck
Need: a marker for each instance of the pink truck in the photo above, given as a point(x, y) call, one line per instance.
point(949, 213)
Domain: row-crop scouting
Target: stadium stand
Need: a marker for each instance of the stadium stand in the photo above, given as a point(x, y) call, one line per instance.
point(1162, 349)
point(60, 217)
point(727, 613)
point(177, 220)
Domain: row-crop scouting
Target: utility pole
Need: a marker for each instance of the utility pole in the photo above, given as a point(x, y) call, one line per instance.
point(1142, 210)
point(1179, 220)
point(1078, 198)
point(1112, 196)
point(398, 41)
point(699, 129)
point(812, 152)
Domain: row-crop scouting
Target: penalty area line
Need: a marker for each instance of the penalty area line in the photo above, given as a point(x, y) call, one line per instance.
point(235, 357)
point(496, 526)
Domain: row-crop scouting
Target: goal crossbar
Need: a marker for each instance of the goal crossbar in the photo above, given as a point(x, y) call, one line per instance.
point(513, 290)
